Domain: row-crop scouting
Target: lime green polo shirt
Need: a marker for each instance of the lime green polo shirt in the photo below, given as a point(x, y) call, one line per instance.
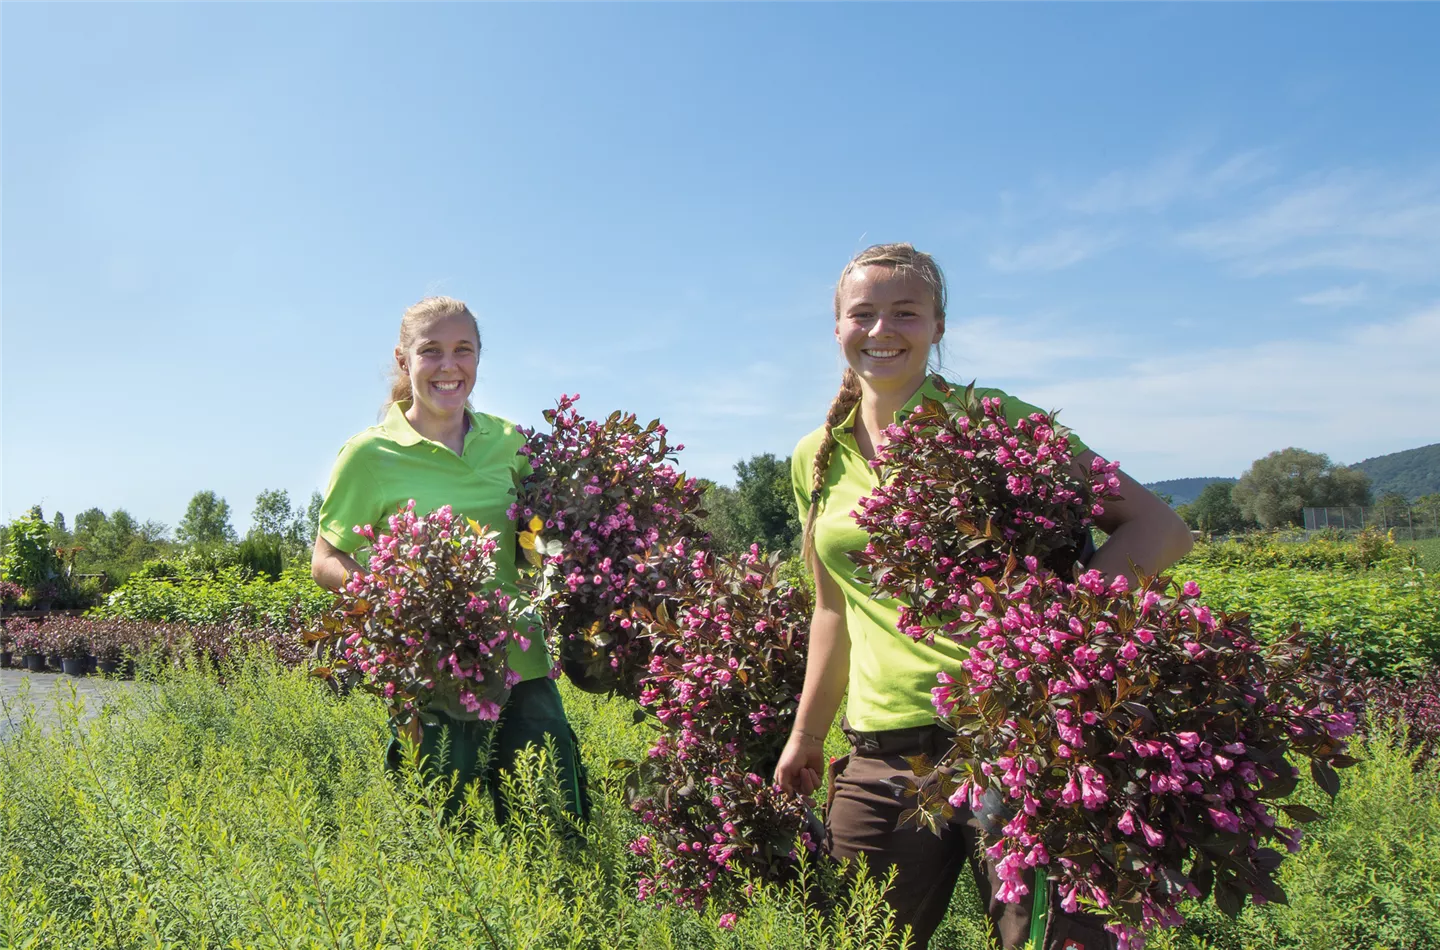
point(388, 464)
point(891, 675)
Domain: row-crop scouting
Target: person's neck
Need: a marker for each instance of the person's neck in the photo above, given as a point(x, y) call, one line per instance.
point(877, 412)
point(447, 429)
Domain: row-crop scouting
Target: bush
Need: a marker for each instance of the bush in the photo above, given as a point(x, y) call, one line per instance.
point(261, 556)
point(1408, 709)
point(1263, 550)
point(260, 815)
point(726, 670)
point(1389, 620)
point(609, 521)
point(1367, 876)
point(225, 597)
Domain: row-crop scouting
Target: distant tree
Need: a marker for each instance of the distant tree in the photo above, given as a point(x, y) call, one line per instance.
point(766, 510)
point(1427, 507)
point(1215, 510)
point(206, 521)
point(311, 526)
point(1275, 489)
point(273, 516)
point(1166, 497)
point(59, 534)
point(88, 522)
point(722, 518)
point(1393, 507)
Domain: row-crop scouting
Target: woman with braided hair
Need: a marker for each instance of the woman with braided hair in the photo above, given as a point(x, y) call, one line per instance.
point(889, 314)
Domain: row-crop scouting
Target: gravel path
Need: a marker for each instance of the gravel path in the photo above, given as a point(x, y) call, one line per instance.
point(46, 690)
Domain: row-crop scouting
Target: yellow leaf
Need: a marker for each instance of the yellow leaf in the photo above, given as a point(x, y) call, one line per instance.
point(475, 526)
point(535, 524)
point(527, 540)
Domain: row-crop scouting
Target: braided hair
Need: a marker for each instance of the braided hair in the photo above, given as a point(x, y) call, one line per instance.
point(902, 258)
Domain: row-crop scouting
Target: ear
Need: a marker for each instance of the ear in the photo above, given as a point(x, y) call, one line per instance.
point(939, 330)
point(400, 360)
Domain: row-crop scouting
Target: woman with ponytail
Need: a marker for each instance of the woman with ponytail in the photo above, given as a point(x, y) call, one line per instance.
point(889, 315)
point(433, 448)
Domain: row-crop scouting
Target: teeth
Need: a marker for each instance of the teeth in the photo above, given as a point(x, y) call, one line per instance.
point(882, 353)
point(447, 387)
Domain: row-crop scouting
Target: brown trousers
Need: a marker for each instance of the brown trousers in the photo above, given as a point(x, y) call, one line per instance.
point(862, 817)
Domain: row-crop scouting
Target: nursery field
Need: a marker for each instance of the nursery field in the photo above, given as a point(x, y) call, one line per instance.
point(232, 800)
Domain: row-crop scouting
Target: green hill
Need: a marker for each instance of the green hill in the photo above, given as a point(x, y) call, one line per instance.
point(1183, 490)
point(1412, 473)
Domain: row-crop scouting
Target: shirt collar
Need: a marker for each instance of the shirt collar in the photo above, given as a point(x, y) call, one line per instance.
point(930, 388)
point(398, 429)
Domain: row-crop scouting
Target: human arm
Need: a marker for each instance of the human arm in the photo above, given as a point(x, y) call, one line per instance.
point(1145, 534)
point(827, 673)
point(330, 566)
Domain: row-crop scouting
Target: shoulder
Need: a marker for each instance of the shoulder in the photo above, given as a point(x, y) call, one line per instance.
point(802, 460)
point(1016, 408)
point(364, 444)
point(499, 428)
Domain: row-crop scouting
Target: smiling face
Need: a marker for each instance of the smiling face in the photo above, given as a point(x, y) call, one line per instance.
point(440, 362)
point(885, 325)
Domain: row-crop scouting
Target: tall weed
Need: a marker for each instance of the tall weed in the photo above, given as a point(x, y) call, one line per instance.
point(260, 815)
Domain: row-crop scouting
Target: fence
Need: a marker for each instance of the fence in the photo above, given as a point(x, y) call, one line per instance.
point(1408, 523)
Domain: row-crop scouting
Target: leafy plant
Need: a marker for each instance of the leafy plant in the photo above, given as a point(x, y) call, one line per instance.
point(609, 524)
point(962, 492)
point(427, 619)
point(725, 674)
point(30, 559)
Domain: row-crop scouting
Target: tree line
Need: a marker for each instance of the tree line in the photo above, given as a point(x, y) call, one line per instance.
point(759, 509)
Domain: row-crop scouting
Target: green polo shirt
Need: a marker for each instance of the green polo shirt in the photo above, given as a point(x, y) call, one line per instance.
point(388, 464)
point(891, 675)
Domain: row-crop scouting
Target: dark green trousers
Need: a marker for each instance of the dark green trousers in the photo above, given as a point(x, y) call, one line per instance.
point(479, 751)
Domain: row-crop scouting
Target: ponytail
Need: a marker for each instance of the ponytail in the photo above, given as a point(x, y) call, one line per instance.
point(845, 401)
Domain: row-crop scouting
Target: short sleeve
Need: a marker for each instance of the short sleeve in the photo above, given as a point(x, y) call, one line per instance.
point(800, 479)
point(351, 499)
point(1017, 409)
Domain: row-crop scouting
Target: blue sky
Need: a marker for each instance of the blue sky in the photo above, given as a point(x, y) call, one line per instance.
point(1203, 232)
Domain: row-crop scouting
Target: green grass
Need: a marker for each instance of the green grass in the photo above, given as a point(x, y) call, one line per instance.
point(258, 814)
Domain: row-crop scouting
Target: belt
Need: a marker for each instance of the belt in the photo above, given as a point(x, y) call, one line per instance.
point(917, 740)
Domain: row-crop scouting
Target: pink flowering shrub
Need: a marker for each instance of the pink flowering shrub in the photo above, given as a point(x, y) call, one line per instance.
point(1129, 744)
point(25, 637)
point(1141, 745)
point(725, 674)
point(1413, 704)
point(965, 490)
point(609, 522)
point(427, 619)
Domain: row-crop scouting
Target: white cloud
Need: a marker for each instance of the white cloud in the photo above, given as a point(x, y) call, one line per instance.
point(1215, 411)
point(1342, 220)
point(1176, 177)
point(1062, 249)
point(1335, 296)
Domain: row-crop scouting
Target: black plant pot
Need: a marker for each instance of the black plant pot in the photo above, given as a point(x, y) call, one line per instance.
point(90, 663)
point(56, 662)
point(34, 662)
point(5, 656)
point(74, 665)
point(107, 667)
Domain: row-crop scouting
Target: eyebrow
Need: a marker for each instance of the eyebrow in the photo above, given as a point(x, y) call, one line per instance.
point(866, 303)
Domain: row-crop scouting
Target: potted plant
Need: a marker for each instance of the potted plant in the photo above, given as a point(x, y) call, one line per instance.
point(108, 644)
point(71, 642)
point(28, 644)
point(7, 644)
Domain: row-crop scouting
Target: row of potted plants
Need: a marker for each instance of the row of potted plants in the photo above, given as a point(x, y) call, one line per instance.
point(81, 645)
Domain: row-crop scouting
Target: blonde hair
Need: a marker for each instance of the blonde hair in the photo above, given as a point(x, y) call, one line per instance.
point(416, 318)
point(904, 260)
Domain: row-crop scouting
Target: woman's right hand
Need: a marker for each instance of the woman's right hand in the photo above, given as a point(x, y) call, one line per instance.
point(801, 764)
